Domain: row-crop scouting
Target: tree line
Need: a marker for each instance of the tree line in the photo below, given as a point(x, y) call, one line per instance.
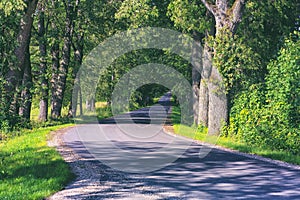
point(42, 47)
point(245, 44)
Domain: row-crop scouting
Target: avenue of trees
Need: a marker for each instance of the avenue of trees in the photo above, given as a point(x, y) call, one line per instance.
point(248, 87)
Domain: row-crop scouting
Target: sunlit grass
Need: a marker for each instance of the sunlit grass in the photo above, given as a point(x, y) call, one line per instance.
point(29, 169)
point(200, 134)
point(103, 110)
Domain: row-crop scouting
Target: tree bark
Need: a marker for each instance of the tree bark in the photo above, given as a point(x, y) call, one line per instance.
point(80, 101)
point(26, 96)
point(93, 105)
point(203, 91)
point(54, 78)
point(203, 103)
point(78, 46)
point(226, 18)
point(14, 76)
point(218, 109)
point(44, 90)
point(196, 77)
point(76, 83)
point(195, 88)
point(207, 54)
point(60, 85)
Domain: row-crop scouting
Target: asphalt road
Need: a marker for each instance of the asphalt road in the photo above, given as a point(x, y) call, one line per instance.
point(169, 167)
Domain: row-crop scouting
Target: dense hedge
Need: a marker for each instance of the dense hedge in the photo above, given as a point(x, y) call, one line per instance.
point(269, 114)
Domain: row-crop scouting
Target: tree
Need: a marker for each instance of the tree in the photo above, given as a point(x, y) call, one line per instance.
point(261, 103)
point(268, 115)
point(62, 70)
point(192, 18)
point(20, 73)
point(226, 21)
point(44, 87)
point(222, 19)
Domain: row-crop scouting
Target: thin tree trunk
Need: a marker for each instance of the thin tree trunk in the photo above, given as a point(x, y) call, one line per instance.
point(203, 103)
point(80, 100)
point(90, 104)
point(74, 100)
point(26, 96)
point(195, 88)
point(54, 78)
point(43, 111)
point(78, 54)
point(196, 76)
point(93, 104)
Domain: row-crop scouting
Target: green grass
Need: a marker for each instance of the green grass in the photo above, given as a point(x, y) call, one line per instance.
point(200, 134)
point(103, 110)
point(29, 169)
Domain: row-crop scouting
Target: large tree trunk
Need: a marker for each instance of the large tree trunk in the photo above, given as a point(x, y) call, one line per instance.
point(60, 85)
point(205, 74)
point(226, 18)
point(15, 72)
point(44, 90)
point(76, 84)
point(218, 109)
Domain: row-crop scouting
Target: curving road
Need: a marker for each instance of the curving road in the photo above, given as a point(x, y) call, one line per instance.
point(129, 163)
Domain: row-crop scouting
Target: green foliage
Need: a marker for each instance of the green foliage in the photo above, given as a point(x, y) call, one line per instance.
point(9, 22)
point(138, 13)
point(9, 6)
point(235, 60)
point(246, 116)
point(103, 110)
point(264, 26)
point(283, 96)
point(269, 115)
point(230, 142)
point(144, 96)
point(284, 81)
point(189, 15)
point(110, 76)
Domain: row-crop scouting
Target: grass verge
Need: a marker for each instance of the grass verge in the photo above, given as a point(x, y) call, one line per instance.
point(29, 169)
point(200, 134)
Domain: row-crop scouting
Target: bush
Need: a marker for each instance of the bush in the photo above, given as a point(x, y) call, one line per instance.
point(269, 115)
point(246, 116)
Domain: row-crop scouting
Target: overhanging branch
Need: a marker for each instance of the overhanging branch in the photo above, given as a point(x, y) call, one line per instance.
point(237, 10)
point(209, 6)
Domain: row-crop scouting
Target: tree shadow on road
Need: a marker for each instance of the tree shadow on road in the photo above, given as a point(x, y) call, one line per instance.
point(219, 175)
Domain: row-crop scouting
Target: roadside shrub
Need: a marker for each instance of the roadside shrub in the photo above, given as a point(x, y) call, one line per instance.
point(268, 114)
point(283, 97)
point(246, 116)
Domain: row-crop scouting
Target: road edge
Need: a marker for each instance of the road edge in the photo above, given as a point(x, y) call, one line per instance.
point(168, 129)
